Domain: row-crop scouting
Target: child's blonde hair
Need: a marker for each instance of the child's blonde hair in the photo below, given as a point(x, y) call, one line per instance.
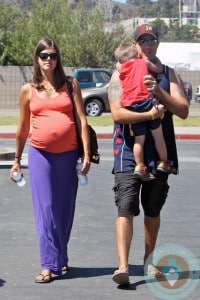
point(125, 52)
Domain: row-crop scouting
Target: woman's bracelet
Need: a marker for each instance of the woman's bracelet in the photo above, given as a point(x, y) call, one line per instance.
point(152, 115)
point(18, 157)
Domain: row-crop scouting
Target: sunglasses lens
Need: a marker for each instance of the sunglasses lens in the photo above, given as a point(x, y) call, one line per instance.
point(44, 55)
point(53, 56)
point(147, 42)
point(142, 42)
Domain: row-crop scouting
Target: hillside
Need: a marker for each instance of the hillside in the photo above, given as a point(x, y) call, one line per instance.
point(132, 8)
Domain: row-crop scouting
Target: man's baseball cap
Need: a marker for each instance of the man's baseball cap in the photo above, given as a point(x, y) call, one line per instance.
point(145, 29)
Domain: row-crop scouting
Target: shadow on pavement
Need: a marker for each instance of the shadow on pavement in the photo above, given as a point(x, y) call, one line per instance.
point(8, 166)
point(2, 282)
point(194, 275)
point(75, 272)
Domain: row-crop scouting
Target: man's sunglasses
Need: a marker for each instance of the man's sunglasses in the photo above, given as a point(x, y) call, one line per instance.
point(44, 55)
point(144, 42)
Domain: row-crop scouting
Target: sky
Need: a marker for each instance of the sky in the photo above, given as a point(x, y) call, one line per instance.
point(122, 1)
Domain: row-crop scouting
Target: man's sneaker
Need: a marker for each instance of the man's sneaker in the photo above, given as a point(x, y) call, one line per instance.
point(152, 271)
point(164, 166)
point(142, 173)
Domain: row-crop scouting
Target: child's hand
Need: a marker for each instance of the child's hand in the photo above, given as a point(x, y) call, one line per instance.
point(118, 66)
point(158, 111)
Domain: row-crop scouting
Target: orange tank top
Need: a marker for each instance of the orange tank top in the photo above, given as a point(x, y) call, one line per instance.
point(53, 126)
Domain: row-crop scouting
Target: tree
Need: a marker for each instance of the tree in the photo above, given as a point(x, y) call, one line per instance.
point(87, 36)
point(162, 27)
point(6, 30)
point(81, 34)
point(186, 33)
point(52, 18)
point(98, 41)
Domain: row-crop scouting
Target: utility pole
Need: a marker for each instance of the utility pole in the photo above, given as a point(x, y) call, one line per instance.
point(180, 13)
point(106, 6)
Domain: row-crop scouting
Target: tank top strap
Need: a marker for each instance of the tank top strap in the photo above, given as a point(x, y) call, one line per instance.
point(166, 71)
point(33, 91)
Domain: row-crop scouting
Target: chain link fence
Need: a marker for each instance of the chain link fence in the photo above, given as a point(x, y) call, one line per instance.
point(12, 78)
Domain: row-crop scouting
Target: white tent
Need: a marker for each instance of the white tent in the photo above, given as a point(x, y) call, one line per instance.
point(180, 55)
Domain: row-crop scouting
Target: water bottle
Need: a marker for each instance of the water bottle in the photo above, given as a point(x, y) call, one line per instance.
point(19, 179)
point(83, 180)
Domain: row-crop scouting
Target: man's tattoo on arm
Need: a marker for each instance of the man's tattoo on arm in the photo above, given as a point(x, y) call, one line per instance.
point(114, 90)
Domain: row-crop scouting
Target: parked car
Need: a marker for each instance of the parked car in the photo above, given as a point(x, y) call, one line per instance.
point(197, 94)
point(91, 77)
point(187, 87)
point(96, 100)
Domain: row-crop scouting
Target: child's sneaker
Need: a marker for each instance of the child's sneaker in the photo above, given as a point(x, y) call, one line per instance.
point(142, 173)
point(148, 177)
point(164, 166)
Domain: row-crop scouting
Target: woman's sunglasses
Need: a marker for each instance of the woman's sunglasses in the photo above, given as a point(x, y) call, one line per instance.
point(44, 55)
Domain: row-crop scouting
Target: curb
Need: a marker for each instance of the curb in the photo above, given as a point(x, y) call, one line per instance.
point(102, 136)
point(7, 135)
point(8, 154)
point(187, 136)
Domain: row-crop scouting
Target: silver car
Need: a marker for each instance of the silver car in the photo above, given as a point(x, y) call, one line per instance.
point(96, 100)
point(197, 95)
point(187, 88)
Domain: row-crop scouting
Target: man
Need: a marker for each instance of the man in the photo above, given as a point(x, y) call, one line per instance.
point(127, 188)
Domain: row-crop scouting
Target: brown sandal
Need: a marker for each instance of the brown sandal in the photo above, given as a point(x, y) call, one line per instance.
point(43, 278)
point(121, 277)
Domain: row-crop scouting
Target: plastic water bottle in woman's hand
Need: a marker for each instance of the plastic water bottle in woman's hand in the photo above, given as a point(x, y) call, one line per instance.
point(83, 180)
point(18, 178)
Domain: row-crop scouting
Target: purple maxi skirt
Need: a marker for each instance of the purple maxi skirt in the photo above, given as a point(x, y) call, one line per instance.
point(54, 183)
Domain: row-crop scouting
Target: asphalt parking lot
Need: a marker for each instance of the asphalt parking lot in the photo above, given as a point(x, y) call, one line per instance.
point(92, 249)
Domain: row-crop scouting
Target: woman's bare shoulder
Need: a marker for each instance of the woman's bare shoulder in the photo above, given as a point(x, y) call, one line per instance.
point(26, 91)
point(26, 87)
